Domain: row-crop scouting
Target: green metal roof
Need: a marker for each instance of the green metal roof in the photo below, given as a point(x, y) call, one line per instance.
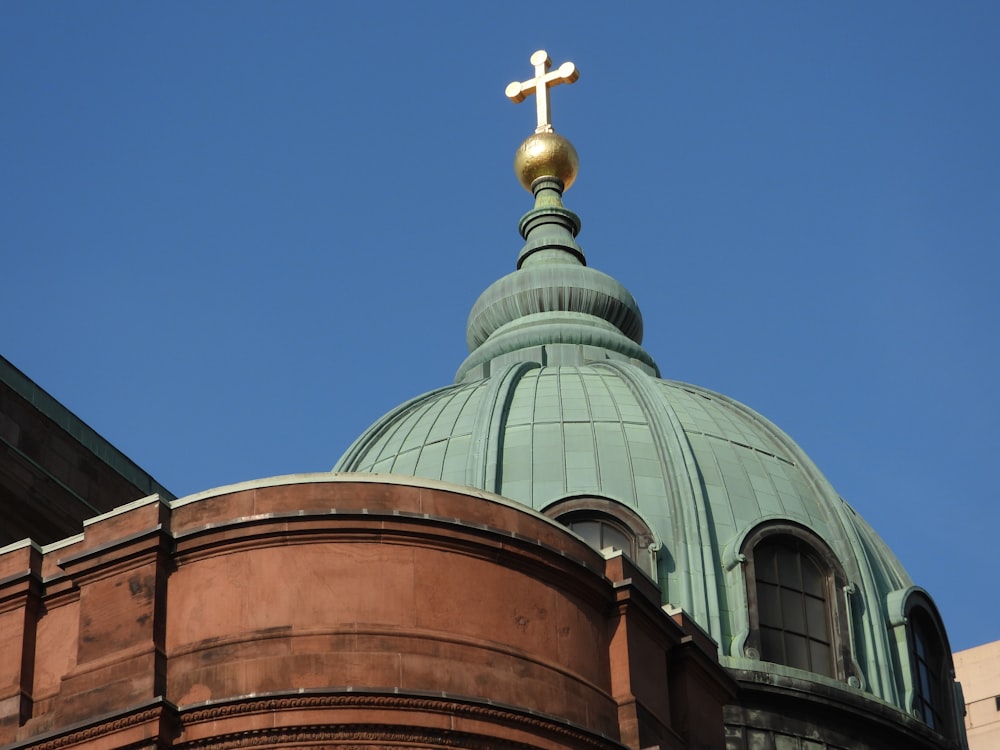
point(700, 469)
point(558, 399)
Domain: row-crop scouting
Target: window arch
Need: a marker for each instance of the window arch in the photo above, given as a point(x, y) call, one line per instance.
point(605, 523)
point(928, 671)
point(923, 646)
point(796, 602)
point(601, 531)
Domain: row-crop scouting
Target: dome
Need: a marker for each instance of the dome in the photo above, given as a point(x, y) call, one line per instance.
point(559, 407)
point(701, 470)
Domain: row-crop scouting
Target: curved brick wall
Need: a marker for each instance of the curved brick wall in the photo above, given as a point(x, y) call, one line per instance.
point(363, 611)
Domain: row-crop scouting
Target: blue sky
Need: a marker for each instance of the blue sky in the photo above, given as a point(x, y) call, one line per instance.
point(235, 233)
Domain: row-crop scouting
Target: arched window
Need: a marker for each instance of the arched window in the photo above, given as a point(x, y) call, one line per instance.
point(601, 532)
point(793, 607)
point(794, 591)
point(924, 645)
point(927, 674)
point(604, 523)
point(929, 664)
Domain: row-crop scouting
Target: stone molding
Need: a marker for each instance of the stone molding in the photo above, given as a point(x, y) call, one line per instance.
point(785, 705)
point(97, 730)
point(368, 733)
point(356, 738)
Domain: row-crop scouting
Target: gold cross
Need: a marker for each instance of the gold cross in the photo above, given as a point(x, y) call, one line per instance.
point(539, 86)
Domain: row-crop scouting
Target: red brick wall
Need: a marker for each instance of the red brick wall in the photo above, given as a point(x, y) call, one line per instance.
point(333, 609)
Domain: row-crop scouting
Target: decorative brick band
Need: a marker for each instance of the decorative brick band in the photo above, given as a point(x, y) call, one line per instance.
point(101, 729)
point(357, 737)
point(371, 735)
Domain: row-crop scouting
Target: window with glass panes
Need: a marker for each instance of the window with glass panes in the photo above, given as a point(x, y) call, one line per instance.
point(927, 668)
point(793, 607)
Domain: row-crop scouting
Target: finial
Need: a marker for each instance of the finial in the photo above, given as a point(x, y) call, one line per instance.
point(539, 86)
point(553, 309)
point(546, 153)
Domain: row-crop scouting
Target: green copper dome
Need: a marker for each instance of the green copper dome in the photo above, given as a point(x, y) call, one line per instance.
point(701, 470)
point(559, 407)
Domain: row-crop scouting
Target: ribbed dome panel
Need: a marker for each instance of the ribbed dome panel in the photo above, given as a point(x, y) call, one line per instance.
point(558, 400)
point(701, 469)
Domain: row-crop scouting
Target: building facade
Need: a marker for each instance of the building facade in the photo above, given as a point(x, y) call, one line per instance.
point(560, 549)
point(978, 670)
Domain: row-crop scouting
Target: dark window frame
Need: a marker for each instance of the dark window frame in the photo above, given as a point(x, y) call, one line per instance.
point(811, 551)
point(931, 670)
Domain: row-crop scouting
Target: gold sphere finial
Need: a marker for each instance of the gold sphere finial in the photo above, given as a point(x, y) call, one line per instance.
point(546, 155)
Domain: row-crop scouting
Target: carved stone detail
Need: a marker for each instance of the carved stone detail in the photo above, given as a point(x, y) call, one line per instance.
point(380, 733)
point(99, 730)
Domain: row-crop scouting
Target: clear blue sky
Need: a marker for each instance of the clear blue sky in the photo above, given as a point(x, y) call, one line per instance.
point(233, 234)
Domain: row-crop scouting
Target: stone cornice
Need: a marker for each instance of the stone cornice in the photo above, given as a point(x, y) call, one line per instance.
point(113, 557)
point(367, 733)
point(155, 711)
point(514, 550)
point(779, 692)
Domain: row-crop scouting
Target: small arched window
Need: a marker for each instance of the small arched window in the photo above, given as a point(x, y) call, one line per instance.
point(604, 523)
point(929, 667)
point(794, 591)
point(931, 690)
point(600, 532)
point(927, 674)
